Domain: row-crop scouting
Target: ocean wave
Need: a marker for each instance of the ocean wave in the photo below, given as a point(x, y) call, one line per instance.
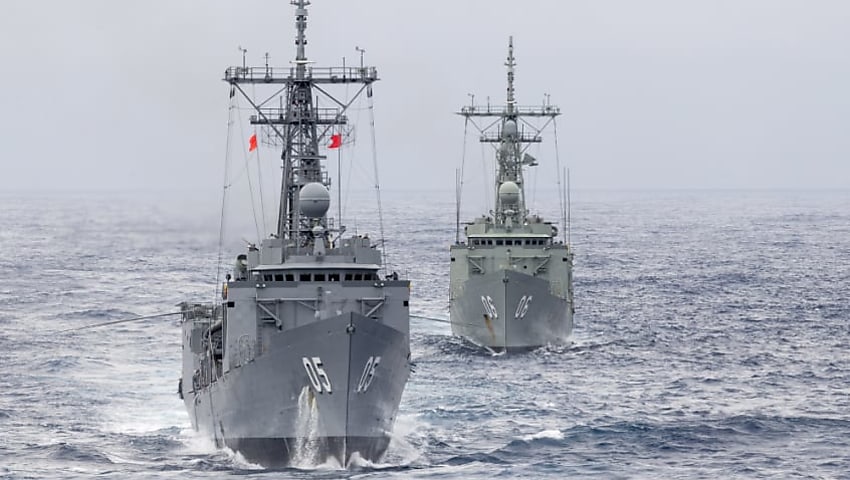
point(475, 458)
point(545, 434)
point(439, 345)
point(76, 453)
point(708, 339)
point(58, 364)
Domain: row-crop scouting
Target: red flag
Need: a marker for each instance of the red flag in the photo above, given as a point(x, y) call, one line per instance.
point(336, 140)
point(252, 143)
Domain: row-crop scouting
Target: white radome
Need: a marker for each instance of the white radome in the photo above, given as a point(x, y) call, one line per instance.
point(509, 193)
point(314, 199)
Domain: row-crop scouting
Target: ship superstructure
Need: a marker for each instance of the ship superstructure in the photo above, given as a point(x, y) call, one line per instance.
point(511, 277)
point(305, 357)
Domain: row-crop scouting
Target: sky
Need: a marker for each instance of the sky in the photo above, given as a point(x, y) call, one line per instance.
point(114, 96)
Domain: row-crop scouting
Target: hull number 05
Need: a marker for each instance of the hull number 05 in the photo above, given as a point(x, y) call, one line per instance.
point(317, 375)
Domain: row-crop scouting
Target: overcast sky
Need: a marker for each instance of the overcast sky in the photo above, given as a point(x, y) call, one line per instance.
point(105, 94)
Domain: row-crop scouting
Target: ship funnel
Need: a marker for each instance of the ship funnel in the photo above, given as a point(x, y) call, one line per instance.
point(314, 200)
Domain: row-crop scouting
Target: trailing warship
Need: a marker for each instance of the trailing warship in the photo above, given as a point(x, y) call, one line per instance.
point(510, 277)
point(305, 356)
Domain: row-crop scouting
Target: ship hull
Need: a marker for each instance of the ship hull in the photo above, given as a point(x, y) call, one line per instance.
point(509, 310)
point(318, 392)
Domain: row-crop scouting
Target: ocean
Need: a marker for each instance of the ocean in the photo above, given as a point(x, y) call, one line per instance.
point(712, 340)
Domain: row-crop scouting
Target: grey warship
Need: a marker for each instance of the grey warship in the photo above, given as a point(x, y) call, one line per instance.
point(511, 285)
point(304, 356)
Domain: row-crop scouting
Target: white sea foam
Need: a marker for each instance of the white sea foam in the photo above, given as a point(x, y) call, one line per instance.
point(402, 451)
point(196, 442)
point(550, 434)
point(240, 462)
point(356, 461)
point(307, 429)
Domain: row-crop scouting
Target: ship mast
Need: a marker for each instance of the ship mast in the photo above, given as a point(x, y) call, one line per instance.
point(511, 135)
point(511, 63)
point(299, 125)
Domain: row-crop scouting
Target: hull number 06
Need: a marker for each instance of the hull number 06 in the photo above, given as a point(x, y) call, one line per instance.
point(489, 307)
point(522, 308)
point(368, 374)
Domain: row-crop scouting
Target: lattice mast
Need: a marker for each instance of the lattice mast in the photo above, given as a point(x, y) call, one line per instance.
point(299, 126)
point(511, 136)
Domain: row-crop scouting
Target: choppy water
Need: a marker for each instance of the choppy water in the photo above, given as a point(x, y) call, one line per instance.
point(711, 341)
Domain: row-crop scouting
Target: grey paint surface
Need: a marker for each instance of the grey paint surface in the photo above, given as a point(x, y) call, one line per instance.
point(546, 320)
point(271, 400)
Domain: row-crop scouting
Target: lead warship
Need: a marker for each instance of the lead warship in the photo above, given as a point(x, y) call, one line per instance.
point(511, 278)
point(305, 356)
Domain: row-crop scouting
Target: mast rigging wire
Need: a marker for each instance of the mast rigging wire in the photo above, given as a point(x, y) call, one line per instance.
point(561, 191)
point(116, 322)
point(260, 178)
point(225, 186)
point(486, 176)
point(459, 182)
point(384, 248)
point(246, 156)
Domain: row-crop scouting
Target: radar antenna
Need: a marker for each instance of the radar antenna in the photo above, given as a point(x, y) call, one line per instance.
point(511, 130)
point(301, 128)
point(511, 63)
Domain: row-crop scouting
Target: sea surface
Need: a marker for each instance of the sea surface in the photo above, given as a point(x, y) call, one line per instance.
point(712, 340)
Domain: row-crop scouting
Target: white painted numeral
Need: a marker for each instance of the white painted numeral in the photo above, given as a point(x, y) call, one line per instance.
point(522, 308)
point(317, 375)
point(368, 374)
point(489, 308)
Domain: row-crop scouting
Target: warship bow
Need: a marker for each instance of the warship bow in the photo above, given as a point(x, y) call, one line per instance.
point(510, 276)
point(305, 355)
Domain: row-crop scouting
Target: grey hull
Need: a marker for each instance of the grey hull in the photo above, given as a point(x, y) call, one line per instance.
point(510, 310)
point(274, 413)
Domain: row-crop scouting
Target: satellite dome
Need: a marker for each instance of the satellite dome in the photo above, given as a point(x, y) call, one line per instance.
point(509, 193)
point(314, 199)
point(509, 129)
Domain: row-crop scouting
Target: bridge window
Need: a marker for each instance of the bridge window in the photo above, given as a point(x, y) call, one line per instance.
point(304, 277)
point(319, 277)
point(333, 277)
point(278, 277)
point(290, 277)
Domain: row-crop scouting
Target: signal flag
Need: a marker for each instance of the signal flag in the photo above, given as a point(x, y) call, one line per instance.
point(336, 140)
